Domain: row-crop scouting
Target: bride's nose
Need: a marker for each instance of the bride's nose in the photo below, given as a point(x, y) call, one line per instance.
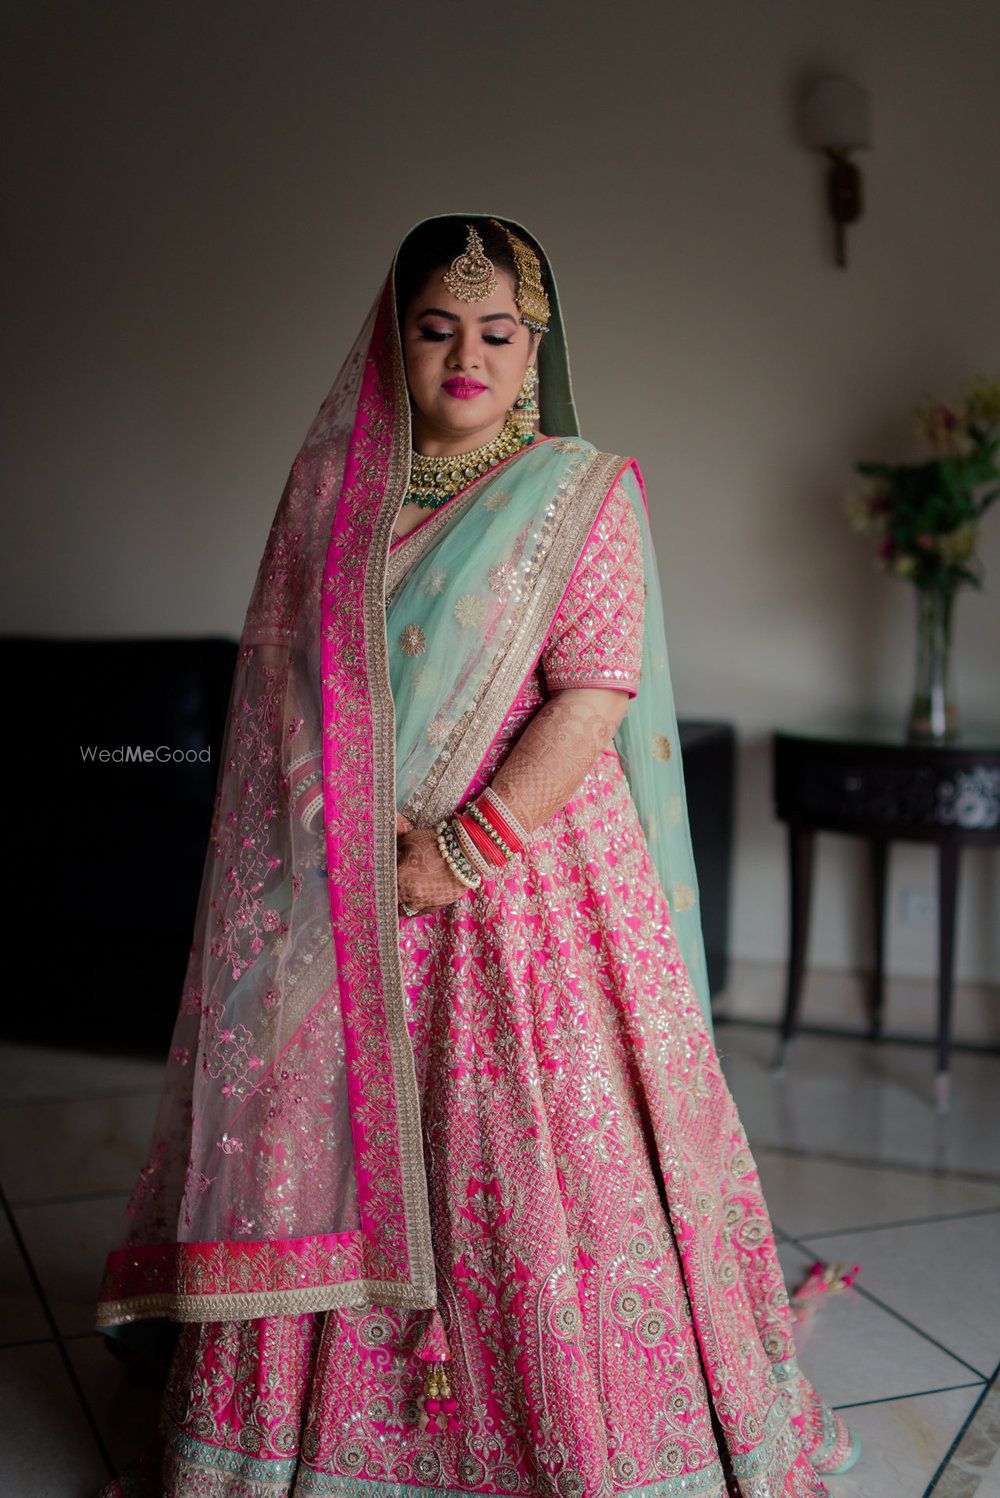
point(464, 352)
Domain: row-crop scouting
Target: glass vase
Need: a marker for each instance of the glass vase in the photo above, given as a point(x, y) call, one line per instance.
point(932, 713)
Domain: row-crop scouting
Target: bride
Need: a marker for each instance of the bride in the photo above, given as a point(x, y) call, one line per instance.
point(447, 1193)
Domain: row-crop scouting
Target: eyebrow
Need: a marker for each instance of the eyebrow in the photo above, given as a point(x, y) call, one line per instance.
point(453, 316)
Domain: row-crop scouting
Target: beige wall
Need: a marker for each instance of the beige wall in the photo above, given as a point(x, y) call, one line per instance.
point(203, 199)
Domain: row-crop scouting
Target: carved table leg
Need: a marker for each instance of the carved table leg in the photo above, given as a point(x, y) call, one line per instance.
point(948, 853)
point(880, 871)
point(800, 858)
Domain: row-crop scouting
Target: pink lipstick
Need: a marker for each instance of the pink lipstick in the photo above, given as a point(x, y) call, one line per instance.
point(463, 389)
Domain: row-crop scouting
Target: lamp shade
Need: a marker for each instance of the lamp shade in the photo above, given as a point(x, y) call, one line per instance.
point(836, 116)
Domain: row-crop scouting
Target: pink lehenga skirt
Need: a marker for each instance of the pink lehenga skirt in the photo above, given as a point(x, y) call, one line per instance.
point(612, 1302)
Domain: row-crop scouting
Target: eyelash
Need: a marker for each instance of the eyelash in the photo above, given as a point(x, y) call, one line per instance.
point(433, 336)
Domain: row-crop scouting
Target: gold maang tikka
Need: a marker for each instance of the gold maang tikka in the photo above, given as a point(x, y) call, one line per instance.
point(471, 277)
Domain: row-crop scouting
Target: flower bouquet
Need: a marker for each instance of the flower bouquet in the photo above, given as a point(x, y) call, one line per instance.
point(925, 517)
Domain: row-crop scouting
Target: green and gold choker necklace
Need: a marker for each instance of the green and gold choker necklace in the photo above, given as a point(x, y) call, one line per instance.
point(433, 481)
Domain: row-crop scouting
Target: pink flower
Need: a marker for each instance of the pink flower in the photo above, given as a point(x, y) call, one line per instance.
point(941, 426)
point(926, 541)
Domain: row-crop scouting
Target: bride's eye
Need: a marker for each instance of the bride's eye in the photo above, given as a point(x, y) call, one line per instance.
point(495, 339)
point(433, 334)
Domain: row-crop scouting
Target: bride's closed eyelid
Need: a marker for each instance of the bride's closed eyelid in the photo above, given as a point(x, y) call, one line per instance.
point(435, 335)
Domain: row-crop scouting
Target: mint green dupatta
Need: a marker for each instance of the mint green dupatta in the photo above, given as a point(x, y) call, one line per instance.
point(471, 596)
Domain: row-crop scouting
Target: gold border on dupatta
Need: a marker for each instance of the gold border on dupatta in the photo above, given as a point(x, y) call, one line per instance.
point(422, 1289)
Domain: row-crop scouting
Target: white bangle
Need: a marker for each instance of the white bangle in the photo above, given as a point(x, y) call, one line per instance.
point(445, 852)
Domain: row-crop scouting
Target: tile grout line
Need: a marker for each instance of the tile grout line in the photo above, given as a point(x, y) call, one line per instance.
point(64, 1356)
point(24, 1204)
point(835, 1032)
point(927, 1336)
point(47, 1341)
point(902, 1222)
point(914, 1394)
point(907, 1167)
point(890, 1311)
point(946, 1459)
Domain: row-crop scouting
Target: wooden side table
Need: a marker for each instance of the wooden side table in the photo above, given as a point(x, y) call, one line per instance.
point(864, 777)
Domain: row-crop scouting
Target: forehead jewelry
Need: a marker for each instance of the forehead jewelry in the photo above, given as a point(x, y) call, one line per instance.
point(532, 303)
point(471, 277)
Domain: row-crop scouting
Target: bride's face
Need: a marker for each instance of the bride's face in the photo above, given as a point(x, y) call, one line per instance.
point(465, 361)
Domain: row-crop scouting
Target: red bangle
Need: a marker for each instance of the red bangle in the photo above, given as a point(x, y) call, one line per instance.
point(489, 811)
point(486, 845)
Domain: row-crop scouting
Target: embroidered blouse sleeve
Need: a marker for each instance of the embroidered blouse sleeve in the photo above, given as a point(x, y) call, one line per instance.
point(596, 636)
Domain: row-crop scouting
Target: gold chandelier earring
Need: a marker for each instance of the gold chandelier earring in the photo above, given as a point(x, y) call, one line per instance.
point(524, 412)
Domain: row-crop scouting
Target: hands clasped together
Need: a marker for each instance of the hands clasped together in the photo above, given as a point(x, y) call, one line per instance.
point(540, 774)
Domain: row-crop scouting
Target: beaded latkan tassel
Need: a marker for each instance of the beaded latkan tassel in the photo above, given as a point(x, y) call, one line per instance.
point(438, 1406)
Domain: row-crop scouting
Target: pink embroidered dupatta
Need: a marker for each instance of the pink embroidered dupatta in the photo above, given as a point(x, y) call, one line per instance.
point(286, 1170)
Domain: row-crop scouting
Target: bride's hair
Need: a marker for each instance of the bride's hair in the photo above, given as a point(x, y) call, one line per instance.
point(434, 245)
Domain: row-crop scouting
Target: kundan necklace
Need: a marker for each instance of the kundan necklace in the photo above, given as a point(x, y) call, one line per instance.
point(433, 481)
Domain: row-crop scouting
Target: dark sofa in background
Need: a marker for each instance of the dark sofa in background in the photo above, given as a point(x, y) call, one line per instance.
point(108, 857)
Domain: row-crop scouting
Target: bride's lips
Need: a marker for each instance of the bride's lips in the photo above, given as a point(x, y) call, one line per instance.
point(463, 389)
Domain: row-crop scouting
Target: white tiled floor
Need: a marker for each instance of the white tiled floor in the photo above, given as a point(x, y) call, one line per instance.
point(856, 1167)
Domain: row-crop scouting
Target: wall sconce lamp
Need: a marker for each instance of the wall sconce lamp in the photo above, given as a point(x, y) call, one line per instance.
point(836, 119)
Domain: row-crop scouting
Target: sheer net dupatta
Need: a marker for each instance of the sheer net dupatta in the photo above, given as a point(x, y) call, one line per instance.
point(648, 744)
point(252, 1202)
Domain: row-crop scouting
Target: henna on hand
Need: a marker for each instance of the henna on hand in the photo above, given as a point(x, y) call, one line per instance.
point(423, 879)
point(560, 744)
